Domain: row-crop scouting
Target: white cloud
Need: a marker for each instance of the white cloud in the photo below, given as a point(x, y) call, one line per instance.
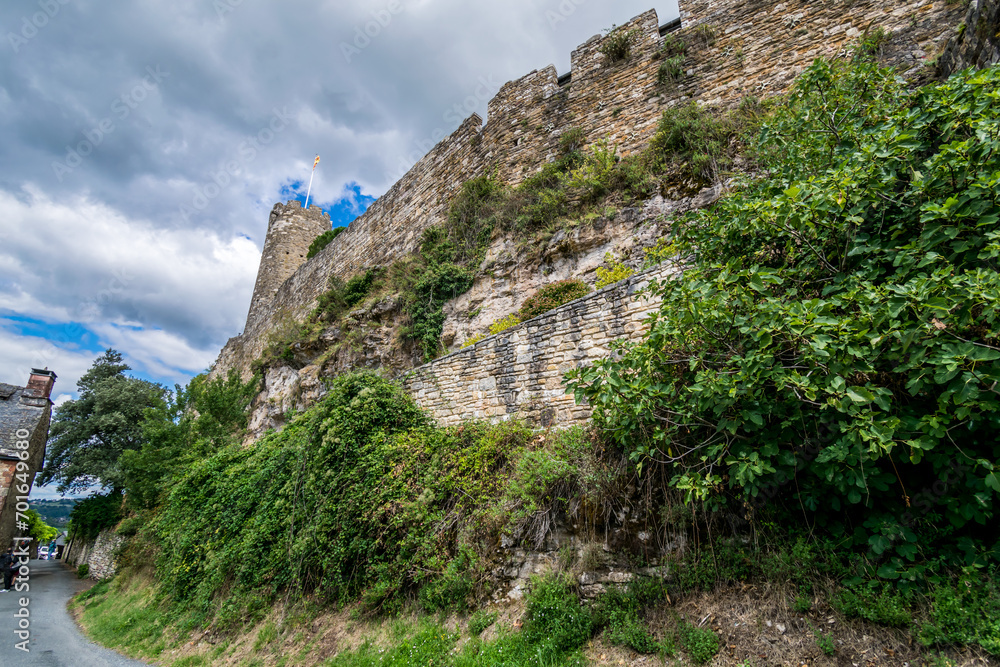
point(168, 299)
point(19, 354)
point(159, 98)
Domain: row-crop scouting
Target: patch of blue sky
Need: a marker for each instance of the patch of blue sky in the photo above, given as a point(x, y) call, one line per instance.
point(351, 204)
point(66, 335)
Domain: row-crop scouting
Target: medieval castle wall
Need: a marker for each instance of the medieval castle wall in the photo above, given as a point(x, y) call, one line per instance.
point(736, 48)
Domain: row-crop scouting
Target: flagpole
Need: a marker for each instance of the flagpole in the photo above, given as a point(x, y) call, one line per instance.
point(306, 207)
point(309, 189)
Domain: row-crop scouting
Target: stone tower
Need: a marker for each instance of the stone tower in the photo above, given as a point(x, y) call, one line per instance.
point(290, 230)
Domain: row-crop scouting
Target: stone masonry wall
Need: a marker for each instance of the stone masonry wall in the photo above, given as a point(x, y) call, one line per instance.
point(290, 231)
point(518, 373)
point(737, 48)
point(99, 554)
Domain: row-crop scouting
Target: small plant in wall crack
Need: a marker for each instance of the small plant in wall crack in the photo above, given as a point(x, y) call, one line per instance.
point(617, 44)
point(671, 70)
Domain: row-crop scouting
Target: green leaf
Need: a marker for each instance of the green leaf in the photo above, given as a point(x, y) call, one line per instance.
point(993, 482)
point(860, 395)
point(879, 543)
point(888, 571)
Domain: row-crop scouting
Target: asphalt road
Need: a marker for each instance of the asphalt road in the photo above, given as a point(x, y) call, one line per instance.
point(55, 640)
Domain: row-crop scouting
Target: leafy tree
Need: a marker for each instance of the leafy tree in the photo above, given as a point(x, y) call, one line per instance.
point(89, 434)
point(38, 529)
point(191, 424)
point(834, 342)
point(95, 513)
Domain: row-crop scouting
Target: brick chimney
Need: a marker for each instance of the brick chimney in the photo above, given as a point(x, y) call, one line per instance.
point(40, 383)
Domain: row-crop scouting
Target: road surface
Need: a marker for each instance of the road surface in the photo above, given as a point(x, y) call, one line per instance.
point(54, 639)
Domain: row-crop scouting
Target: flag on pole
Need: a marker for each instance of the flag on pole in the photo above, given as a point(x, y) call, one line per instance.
point(311, 174)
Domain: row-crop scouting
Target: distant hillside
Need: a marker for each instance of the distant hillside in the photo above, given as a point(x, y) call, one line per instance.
point(54, 512)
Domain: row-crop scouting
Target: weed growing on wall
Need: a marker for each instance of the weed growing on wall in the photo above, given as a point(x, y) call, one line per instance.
point(671, 70)
point(617, 44)
point(323, 240)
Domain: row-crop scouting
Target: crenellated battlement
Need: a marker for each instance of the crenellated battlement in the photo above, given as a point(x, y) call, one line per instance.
point(736, 48)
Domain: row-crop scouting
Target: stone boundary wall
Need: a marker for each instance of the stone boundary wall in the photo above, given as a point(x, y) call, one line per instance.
point(519, 373)
point(99, 554)
point(736, 48)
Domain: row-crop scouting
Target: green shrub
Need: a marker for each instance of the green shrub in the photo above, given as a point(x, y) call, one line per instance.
point(705, 33)
point(612, 272)
point(871, 44)
point(619, 613)
point(235, 509)
point(95, 513)
point(596, 176)
point(472, 340)
point(571, 141)
point(472, 218)
point(82, 570)
point(671, 70)
point(673, 45)
point(964, 611)
point(825, 643)
point(504, 323)
point(701, 644)
point(431, 281)
point(129, 526)
point(344, 295)
point(449, 591)
point(554, 617)
point(323, 240)
point(696, 138)
point(881, 605)
point(552, 296)
point(868, 283)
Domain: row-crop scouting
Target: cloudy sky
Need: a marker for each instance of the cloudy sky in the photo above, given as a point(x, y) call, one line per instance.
point(143, 143)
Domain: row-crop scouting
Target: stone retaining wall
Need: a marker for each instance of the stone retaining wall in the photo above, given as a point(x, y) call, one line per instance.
point(100, 554)
point(519, 372)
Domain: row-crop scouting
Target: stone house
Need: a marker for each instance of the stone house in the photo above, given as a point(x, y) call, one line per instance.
point(25, 413)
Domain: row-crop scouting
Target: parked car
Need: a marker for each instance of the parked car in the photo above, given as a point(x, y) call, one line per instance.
point(43, 553)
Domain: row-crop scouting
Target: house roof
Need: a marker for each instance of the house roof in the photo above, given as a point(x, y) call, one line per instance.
point(18, 410)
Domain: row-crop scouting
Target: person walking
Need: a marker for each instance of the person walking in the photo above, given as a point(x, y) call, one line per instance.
point(7, 563)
